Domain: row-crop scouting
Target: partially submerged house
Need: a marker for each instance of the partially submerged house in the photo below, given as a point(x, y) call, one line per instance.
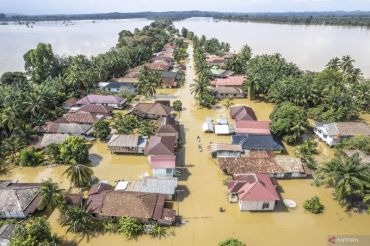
point(161, 185)
point(242, 113)
point(73, 129)
point(364, 158)
point(163, 166)
point(116, 87)
point(169, 79)
point(217, 72)
point(78, 117)
point(225, 150)
point(127, 144)
point(160, 146)
point(251, 162)
point(99, 111)
point(333, 133)
point(222, 92)
point(253, 192)
point(152, 110)
point(69, 103)
point(18, 200)
point(252, 127)
point(258, 142)
point(215, 60)
point(224, 129)
point(168, 126)
point(159, 65)
point(6, 234)
point(146, 207)
point(108, 100)
point(293, 167)
point(231, 81)
point(48, 139)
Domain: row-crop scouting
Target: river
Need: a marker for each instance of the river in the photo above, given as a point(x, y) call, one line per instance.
point(309, 46)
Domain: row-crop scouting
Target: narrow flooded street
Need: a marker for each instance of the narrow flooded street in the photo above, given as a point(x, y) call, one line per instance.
point(204, 192)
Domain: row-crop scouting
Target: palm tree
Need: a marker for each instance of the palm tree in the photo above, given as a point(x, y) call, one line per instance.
point(348, 176)
point(227, 105)
point(50, 195)
point(77, 220)
point(333, 63)
point(79, 175)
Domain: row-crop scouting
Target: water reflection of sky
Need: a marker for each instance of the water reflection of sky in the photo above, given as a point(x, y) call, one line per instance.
point(83, 37)
point(309, 46)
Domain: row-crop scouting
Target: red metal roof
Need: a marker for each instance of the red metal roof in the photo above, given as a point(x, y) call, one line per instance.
point(162, 161)
point(230, 81)
point(253, 127)
point(253, 187)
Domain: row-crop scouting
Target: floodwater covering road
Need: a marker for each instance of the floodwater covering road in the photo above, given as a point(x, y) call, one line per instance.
point(204, 192)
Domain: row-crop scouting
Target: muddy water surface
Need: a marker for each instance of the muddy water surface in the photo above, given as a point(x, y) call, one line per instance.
point(204, 193)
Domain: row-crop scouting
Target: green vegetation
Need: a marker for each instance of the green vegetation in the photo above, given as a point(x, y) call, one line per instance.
point(305, 151)
point(313, 205)
point(356, 143)
point(349, 178)
point(231, 242)
point(35, 231)
point(289, 122)
point(29, 157)
point(79, 175)
point(74, 150)
point(149, 81)
point(77, 220)
point(101, 129)
point(50, 194)
point(180, 54)
point(130, 227)
point(238, 63)
point(177, 106)
point(30, 99)
point(129, 123)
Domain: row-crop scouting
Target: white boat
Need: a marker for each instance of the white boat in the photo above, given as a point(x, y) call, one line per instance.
point(289, 203)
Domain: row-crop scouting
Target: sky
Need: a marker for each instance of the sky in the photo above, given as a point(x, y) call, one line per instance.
point(103, 6)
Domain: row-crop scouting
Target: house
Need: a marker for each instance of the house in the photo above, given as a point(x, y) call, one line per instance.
point(333, 133)
point(169, 79)
point(78, 118)
point(18, 200)
point(113, 101)
point(47, 139)
point(152, 110)
point(116, 87)
point(67, 105)
point(208, 125)
point(227, 92)
point(133, 73)
point(253, 192)
point(74, 199)
point(73, 129)
point(6, 234)
point(159, 65)
point(127, 144)
point(252, 127)
point(231, 81)
point(160, 146)
point(258, 142)
point(293, 167)
point(215, 60)
point(242, 113)
point(225, 150)
point(161, 185)
point(217, 72)
point(146, 207)
point(99, 111)
point(163, 166)
point(164, 57)
point(364, 158)
point(224, 129)
point(168, 127)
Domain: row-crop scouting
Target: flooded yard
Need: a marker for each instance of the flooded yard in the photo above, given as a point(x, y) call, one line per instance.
point(204, 192)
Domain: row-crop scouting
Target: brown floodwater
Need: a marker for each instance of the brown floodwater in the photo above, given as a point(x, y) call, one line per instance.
point(205, 192)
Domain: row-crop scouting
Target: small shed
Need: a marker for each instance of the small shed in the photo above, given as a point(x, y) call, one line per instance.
point(225, 150)
point(163, 165)
point(208, 125)
point(224, 129)
point(129, 144)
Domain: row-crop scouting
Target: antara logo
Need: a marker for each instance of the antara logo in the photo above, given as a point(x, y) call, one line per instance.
point(332, 240)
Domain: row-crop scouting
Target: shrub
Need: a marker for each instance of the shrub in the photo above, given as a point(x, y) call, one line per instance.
point(130, 227)
point(74, 150)
point(313, 205)
point(101, 129)
point(29, 157)
point(231, 242)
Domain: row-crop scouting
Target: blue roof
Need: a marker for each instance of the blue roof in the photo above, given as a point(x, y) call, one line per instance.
point(118, 85)
point(257, 142)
